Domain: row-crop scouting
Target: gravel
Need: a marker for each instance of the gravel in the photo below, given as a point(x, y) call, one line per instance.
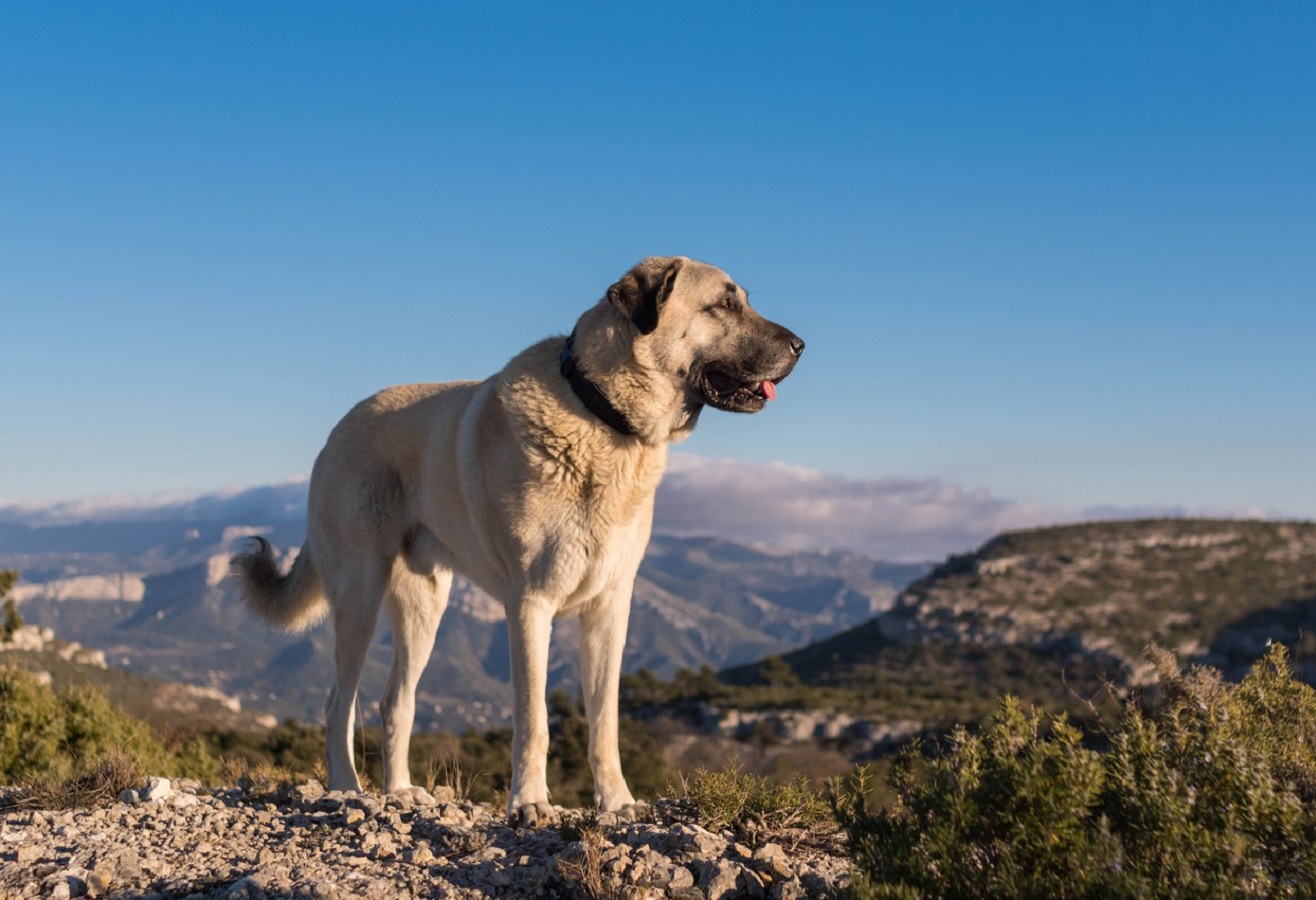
point(176, 839)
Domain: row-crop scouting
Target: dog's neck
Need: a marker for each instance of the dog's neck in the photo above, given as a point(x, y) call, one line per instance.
point(658, 410)
point(590, 394)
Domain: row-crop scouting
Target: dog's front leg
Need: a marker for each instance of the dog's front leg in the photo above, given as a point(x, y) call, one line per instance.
point(602, 640)
point(529, 625)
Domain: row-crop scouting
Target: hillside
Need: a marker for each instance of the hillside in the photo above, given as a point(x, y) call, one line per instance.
point(167, 705)
point(1055, 615)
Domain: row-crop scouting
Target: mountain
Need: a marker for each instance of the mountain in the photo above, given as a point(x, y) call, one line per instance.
point(152, 595)
point(1061, 616)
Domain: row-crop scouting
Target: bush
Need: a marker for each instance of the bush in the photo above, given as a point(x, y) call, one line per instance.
point(12, 620)
point(31, 728)
point(752, 807)
point(1207, 793)
point(48, 738)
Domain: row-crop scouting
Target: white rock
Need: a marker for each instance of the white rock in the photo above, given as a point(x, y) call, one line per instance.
point(158, 790)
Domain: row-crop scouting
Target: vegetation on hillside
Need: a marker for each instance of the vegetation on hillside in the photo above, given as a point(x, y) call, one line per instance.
point(934, 683)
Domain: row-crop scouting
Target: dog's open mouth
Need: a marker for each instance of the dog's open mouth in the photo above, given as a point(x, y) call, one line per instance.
point(723, 391)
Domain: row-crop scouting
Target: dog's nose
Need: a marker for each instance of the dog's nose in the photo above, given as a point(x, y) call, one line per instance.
point(796, 345)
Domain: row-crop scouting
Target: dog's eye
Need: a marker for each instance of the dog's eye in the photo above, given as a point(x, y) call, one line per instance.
point(728, 302)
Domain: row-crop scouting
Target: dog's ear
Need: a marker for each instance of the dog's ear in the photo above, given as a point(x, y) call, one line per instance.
point(642, 291)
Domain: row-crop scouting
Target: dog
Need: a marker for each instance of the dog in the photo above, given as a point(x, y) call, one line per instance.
point(538, 485)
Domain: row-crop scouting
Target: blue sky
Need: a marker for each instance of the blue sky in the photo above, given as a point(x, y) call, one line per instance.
point(1064, 253)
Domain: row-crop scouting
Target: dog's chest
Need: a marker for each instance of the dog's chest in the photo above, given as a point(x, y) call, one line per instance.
point(596, 525)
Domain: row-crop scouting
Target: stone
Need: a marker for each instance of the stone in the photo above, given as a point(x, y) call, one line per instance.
point(718, 879)
point(773, 860)
point(309, 791)
point(704, 843)
point(98, 884)
point(420, 856)
point(672, 876)
point(752, 884)
point(245, 889)
point(116, 865)
point(371, 806)
point(788, 890)
point(157, 790)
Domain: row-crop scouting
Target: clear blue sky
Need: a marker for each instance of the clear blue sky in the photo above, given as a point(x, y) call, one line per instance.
point(1062, 252)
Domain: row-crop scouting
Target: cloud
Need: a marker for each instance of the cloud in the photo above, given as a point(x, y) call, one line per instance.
point(800, 508)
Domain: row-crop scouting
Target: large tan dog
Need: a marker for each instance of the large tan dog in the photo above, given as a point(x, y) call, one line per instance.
point(538, 485)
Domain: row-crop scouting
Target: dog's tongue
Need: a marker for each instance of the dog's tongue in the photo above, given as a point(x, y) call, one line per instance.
point(769, 390)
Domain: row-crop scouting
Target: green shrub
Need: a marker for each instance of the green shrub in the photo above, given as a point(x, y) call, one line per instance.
point(31, 728)
point(48, 738)
point(1207, 793)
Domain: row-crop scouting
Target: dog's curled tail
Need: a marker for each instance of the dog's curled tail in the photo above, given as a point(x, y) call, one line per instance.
point(293, 602)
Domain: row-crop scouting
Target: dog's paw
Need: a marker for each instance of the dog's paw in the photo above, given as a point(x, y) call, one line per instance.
point(531, 815)
point(631, 812)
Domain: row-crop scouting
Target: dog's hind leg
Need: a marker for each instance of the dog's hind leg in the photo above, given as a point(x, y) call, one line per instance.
point(415, 605)
point(355, 605)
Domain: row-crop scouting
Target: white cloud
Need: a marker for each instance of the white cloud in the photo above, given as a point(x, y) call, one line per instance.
point(800, 508)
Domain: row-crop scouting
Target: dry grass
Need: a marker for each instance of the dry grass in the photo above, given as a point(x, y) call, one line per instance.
point(446, 770)
point(583, 870)
point(263, 781)
point(100, 784)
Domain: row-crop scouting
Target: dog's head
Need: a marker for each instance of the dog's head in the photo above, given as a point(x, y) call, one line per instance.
point(695, 323)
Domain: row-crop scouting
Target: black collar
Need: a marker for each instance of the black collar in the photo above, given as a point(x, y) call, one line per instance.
point(590, 395)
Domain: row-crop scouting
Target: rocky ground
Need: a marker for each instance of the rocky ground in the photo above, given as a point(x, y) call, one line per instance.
point(175, 840)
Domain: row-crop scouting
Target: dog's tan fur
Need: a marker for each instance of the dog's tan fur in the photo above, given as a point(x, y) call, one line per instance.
point(514, 483)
